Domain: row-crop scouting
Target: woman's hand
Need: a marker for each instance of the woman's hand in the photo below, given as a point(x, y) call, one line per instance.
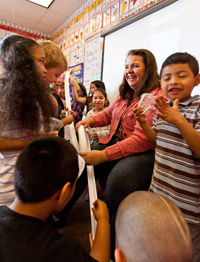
point(86, 122)
point(94, 157)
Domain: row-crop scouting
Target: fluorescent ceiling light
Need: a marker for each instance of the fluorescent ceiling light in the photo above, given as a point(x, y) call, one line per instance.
point(44, 3)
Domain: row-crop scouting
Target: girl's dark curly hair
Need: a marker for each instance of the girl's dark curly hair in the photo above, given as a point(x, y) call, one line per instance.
point(23, 94)
point(150, 80)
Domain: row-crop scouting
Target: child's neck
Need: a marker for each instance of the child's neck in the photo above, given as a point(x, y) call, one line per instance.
point(38, 210)
point(98, 110)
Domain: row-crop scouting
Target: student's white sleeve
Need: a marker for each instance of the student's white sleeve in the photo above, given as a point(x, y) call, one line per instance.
point(104, 132)
point(55, 125)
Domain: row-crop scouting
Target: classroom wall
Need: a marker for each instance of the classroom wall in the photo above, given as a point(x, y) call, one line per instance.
point(172, 29)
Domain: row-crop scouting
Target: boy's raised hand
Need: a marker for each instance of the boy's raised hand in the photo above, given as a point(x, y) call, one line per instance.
point(166, 112)
point(139, 115)
point(100, 210)
point(101, 245)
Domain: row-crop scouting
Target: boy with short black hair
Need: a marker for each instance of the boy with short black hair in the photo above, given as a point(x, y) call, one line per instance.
point(176, 132)
point(45, 178)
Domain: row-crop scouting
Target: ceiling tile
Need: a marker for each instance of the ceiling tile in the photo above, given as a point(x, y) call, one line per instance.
point(40, 27)
point(35, 17)
point(56, 19)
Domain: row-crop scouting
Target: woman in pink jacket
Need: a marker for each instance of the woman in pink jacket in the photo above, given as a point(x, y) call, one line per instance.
point(125, 156)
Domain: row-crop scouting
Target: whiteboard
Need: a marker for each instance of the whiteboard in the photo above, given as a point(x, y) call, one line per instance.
point(169, 30)
point(93, 60)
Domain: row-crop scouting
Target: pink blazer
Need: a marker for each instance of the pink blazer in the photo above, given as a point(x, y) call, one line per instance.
point(134, 140)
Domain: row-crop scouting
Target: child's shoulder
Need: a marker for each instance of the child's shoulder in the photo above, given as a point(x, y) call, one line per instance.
point(193, 101)
point(196, 99)
point(91, 112)
point(191, 108)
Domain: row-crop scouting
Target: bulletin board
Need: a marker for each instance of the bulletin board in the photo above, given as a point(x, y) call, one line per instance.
point(93, 60)
point(78, 72)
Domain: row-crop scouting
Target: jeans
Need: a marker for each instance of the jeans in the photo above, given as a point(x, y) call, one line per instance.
point(195, 235)
point(125, 176)
point(128, 175)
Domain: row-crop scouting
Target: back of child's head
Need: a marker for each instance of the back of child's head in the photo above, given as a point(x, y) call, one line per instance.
point(44, 167)
point(150, 227)
point(22, 86)
point(83, 89)
point(12, 39)
point(99, 84)
point(11, 52)
point(54, 55)
point(181, 58)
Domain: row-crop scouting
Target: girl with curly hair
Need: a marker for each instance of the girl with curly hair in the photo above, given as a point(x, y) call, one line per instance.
point(26, 106)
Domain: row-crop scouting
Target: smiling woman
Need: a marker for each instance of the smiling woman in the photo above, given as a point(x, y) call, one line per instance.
point(125, 156)
point(134, 71)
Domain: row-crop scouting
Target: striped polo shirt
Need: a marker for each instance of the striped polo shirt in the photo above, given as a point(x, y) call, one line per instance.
point(176, 173)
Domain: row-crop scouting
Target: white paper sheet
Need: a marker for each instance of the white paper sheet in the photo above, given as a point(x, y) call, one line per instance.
point(85, 147)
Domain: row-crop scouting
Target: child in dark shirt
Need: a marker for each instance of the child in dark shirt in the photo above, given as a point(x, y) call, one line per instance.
point(45, 178)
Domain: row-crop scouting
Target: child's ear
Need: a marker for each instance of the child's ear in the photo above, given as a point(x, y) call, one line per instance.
point(197, 80)
point(119, 256)
point(65, 193)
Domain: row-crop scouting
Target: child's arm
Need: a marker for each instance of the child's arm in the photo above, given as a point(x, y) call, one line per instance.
point(101, 245)
point(67, 120)
point(7, 144)
point(140, 117)
point(173, 116)
point(77, 98)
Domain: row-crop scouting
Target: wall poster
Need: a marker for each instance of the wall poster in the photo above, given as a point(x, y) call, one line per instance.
point(93, 60)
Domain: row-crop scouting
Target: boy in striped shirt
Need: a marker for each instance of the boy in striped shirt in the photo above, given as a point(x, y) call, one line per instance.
point(176, 132)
